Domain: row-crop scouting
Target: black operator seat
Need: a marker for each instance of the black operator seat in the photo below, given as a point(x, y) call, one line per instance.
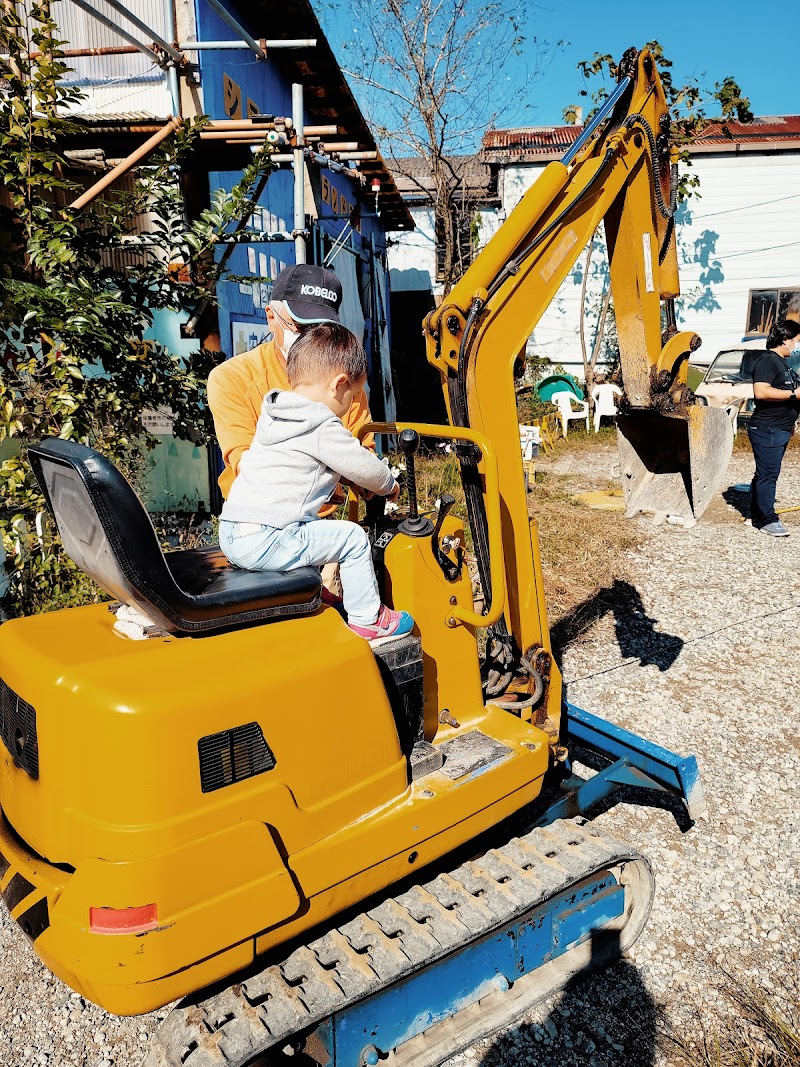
point(107, 532)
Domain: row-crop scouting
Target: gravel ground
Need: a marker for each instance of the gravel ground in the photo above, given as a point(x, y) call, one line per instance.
point(695, 651)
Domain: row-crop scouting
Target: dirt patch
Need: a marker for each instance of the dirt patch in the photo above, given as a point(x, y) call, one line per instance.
point(582, 549)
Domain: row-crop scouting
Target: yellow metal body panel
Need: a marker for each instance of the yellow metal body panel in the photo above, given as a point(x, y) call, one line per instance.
point(240, 869)
point(451, 677)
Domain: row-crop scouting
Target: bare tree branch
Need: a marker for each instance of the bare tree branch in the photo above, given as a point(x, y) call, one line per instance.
point(434, 72)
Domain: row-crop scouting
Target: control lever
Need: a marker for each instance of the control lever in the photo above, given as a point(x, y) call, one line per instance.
point(415, 525)
point(450, 569)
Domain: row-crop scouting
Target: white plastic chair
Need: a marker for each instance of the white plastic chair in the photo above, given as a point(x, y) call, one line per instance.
point(529, 440)
point(564, 401)
point(528, 437)
point(603, 396)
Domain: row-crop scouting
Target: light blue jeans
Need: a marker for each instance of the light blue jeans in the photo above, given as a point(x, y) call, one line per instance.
point(310, 544)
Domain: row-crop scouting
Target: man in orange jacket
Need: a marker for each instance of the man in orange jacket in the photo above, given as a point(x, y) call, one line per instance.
point(302, 296)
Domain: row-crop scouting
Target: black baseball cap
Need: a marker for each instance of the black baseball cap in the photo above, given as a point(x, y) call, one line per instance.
point(311, 293)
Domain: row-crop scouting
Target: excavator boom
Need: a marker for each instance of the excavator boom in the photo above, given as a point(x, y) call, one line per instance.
point(622, 172)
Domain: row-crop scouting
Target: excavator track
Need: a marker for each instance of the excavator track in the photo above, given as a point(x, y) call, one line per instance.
point(351, 971)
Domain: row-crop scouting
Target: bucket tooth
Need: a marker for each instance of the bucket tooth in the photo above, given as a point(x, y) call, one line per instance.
point(672, 464)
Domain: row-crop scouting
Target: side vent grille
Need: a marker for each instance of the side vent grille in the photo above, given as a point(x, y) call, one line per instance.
point(233, 755)
point(18, 730)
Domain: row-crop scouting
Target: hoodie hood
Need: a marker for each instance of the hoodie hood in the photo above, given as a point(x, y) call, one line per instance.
point(286, 415)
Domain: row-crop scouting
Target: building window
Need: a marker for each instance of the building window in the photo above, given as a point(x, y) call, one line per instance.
point(767, 306)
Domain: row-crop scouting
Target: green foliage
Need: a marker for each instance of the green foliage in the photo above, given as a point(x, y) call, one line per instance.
point(688, 104)
point(78, 290)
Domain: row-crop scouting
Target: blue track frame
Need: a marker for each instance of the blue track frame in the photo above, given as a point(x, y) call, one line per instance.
point(361, 1035)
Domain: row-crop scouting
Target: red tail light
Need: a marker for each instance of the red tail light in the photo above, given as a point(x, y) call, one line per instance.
point(123, 920)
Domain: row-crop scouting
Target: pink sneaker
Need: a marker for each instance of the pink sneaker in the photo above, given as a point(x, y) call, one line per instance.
point(388, 624)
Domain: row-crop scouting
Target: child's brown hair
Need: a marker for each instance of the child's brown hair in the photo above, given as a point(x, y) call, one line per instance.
point(323, 351)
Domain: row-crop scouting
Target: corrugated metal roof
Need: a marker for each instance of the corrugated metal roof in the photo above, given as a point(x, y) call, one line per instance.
point(413, 177)
point(117, 118)
point(528, 143)
point(110, 81)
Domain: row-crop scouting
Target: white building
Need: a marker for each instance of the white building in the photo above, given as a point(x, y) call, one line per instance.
point(738, 242)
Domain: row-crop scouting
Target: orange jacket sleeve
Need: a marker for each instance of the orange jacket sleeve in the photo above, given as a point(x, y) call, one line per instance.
point(235, 419)
point(357, 416)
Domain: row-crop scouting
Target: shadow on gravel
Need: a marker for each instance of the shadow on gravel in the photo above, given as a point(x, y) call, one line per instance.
point(636, 632)
point(602, 1018)
point(738, 498)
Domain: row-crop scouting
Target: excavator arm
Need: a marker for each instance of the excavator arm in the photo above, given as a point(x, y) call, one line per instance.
point(621, 172)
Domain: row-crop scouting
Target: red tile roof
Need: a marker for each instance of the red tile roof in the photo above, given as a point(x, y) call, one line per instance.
point(762, 128)
point(540, 143)
point(533, 141)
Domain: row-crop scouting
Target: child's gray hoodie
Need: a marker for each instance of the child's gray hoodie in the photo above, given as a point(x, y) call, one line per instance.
point(299, 453)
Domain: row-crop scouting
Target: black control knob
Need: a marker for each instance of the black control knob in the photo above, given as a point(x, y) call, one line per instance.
point(414, 525)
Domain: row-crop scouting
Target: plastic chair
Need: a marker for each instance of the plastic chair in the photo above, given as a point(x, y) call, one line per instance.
point(564, 401)
point(529, 440)
point(603, 396)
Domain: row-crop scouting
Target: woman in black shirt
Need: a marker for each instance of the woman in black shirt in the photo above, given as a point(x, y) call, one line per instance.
point(777, 405)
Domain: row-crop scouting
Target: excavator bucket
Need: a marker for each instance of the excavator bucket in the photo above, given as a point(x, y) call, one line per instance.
point(672, 464)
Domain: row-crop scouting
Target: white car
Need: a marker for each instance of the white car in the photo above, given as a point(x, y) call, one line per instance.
point(729, 379)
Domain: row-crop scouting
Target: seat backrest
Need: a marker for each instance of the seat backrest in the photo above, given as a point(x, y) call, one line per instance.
point(108, 533)
point(603, 396)
point(563, 401)
point(103, 524)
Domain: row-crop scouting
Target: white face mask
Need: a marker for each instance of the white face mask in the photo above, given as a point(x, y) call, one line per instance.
point(289, 338)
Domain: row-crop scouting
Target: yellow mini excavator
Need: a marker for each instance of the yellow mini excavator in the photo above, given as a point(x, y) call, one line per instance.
point(344, 852)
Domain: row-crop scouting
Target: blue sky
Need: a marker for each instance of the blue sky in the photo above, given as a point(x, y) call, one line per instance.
point(743, 40)
point(704, 38)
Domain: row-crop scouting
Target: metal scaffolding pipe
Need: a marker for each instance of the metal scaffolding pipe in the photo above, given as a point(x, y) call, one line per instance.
point(299, 168)
point(332, 164)
point(126, 164)
point(235, 126)
point(255, 125)
point(81, 53)
point(237, 28)
point(146, 49)
point(358, 155)
point(253, 134)
point(174, 55)
point(322, 131)
point(331, 146)
point(174, 89)
point(315, 157)
point(204, 46)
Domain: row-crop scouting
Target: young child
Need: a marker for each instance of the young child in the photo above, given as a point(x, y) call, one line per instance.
point(299, 452)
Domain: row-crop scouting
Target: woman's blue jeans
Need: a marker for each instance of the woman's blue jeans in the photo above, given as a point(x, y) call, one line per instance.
point(769, 446)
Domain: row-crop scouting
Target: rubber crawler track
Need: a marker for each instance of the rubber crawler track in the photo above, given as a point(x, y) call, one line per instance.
point(401, 935)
